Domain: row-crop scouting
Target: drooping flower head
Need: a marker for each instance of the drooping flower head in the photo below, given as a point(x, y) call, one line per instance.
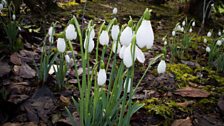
point(101, 76)
point(115, 30)
point(70, 32)
point(208, 49)
point(104, 37)
point(13, 17)
point(161, 67)
point(219, 43)
point(115, 11)
point(91, 44)
point(127, 34)
point(67, 59)
point(209, 34)
point(61, 45)
point(193, 24)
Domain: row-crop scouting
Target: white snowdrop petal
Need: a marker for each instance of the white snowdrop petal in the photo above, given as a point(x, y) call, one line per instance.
point(121, 52)
point(90, 46)
point(53, 69)
point(193, 24)
point(70, 32)
point(61, 45)
point(183, 23)
point(51, 31)
point(1, 7)
point(205, 40)
point(14, 17)
point(219, 43)
point(67, 59)
point(173, 33)
point(208, 49)
point(126, 36)
point(115, 10)
point(140, 55)
point(101, 77)
point(92, 34)
point(115, 32)
point(127, 57)
point(129, 84)
point(104, 38)
point(219, 33)
point(161, 67)
point(209, 34)
point(190, 30)
point(145, 35)
point(114, 47)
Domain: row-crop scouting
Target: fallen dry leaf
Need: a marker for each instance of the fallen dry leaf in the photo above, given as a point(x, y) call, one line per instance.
point(182, 122)
point(15, 59)
point(221, 104)
point(185, 104)
point(24, 71)
point(65, 100)
point(192, 92)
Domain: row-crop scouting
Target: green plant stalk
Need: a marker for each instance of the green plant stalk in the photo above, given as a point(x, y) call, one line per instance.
point(97, 44)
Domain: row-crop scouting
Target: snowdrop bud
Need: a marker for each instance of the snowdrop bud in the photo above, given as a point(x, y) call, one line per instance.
point(1, 7)
point(115, 32)
point(70, 32)
point(208, 49)
point(126, 36)
point(219, 43)
point(147, 14)
point(90, 46)
point(182, 29)
point(67, 59)
point(193, 24)
point(173, 33)
point(209, 34)
point(61, 45)
point(212, 5)
point(165, 43)
point(183, 23)
point(219, 33)
point(13, 17)
point(161, 67)
point(145, 35)
point(129, 84)
point(190, 30)
point(51, 31)
point(101, 77)
point(92, 34)
point(205, 40)
point(121, 53)
point(104, 38)
point(115, 11)
point(118, 45)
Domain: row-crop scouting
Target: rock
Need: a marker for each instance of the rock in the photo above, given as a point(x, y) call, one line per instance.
point(15, 59)
point(192, 92)
point(182, 122)
point(4, 68)
point(24, 71)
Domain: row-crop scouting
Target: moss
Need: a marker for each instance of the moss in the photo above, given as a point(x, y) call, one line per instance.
point(182, 72)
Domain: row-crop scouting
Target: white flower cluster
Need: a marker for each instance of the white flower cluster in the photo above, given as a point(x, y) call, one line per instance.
point(182, 27)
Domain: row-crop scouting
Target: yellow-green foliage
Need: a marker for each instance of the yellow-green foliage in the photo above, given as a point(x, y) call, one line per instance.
point(182, 72)
point(162, 108)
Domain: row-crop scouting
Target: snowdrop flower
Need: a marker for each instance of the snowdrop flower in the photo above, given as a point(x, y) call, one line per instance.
point(145, 35)
point(115, 11)
point(61, 45)
point(126, 36)
point(90, 46)
point(208, 49)
point(212, 5)
point(173, 33)
point(193, 24)
point(129, 84)
point(161, 67)
point(121, 52)
point(51, 31)
point(13, 17)
point(67, 59)
point(128, 55)
point(190, 30)
point(118, 45)
point(183, 23)
point(177, 28)
point(70, 32)
point(104, 38)
point(219, 43)
point(205, 40)
point(165, 43)
point(209, 34)
point(101, 77)
point(1, 7)
point(115, 32)
point(219, 33)
point(53, 68)
point(182, 29)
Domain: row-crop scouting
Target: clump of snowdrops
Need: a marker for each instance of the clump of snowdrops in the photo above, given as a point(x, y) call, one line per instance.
point(214, 48)
point(109, 102)
point(181, 39)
